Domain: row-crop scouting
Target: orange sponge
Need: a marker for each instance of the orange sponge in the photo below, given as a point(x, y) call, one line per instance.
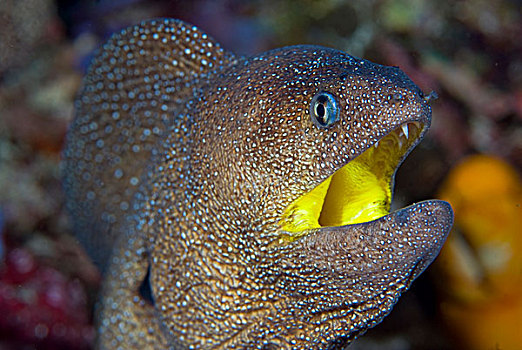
point(481, 262)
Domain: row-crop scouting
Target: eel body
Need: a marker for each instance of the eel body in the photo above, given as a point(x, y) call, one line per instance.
point(242, 203)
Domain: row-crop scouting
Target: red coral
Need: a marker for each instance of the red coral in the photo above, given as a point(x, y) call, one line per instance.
point(41, 307)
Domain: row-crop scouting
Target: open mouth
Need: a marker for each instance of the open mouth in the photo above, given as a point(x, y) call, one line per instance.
point(360, 191)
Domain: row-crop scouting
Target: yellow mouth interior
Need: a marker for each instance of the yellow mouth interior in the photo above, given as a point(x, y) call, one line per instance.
point(358, 192)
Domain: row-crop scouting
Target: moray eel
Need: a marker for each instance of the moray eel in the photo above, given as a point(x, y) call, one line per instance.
point(243, 203)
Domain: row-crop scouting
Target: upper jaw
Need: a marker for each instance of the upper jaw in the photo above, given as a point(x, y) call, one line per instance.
point(359, 191)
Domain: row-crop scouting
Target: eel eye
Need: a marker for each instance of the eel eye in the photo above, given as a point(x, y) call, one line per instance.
point(324, 110)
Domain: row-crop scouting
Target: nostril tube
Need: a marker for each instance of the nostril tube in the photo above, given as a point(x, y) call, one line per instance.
point(432, 96)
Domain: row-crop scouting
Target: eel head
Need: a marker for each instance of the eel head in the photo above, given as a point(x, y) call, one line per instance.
point(297, 150)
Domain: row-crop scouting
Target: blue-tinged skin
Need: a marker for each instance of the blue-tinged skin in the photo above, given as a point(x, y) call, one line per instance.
point(179, 166)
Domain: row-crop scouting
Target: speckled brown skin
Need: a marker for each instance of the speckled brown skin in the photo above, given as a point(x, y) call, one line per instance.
point(181, 162)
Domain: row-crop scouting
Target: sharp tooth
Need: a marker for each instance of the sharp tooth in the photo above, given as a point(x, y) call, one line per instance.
point(404, 128)
point(376, 144)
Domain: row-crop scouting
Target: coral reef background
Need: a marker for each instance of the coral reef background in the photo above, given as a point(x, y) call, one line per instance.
point(469, 52)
